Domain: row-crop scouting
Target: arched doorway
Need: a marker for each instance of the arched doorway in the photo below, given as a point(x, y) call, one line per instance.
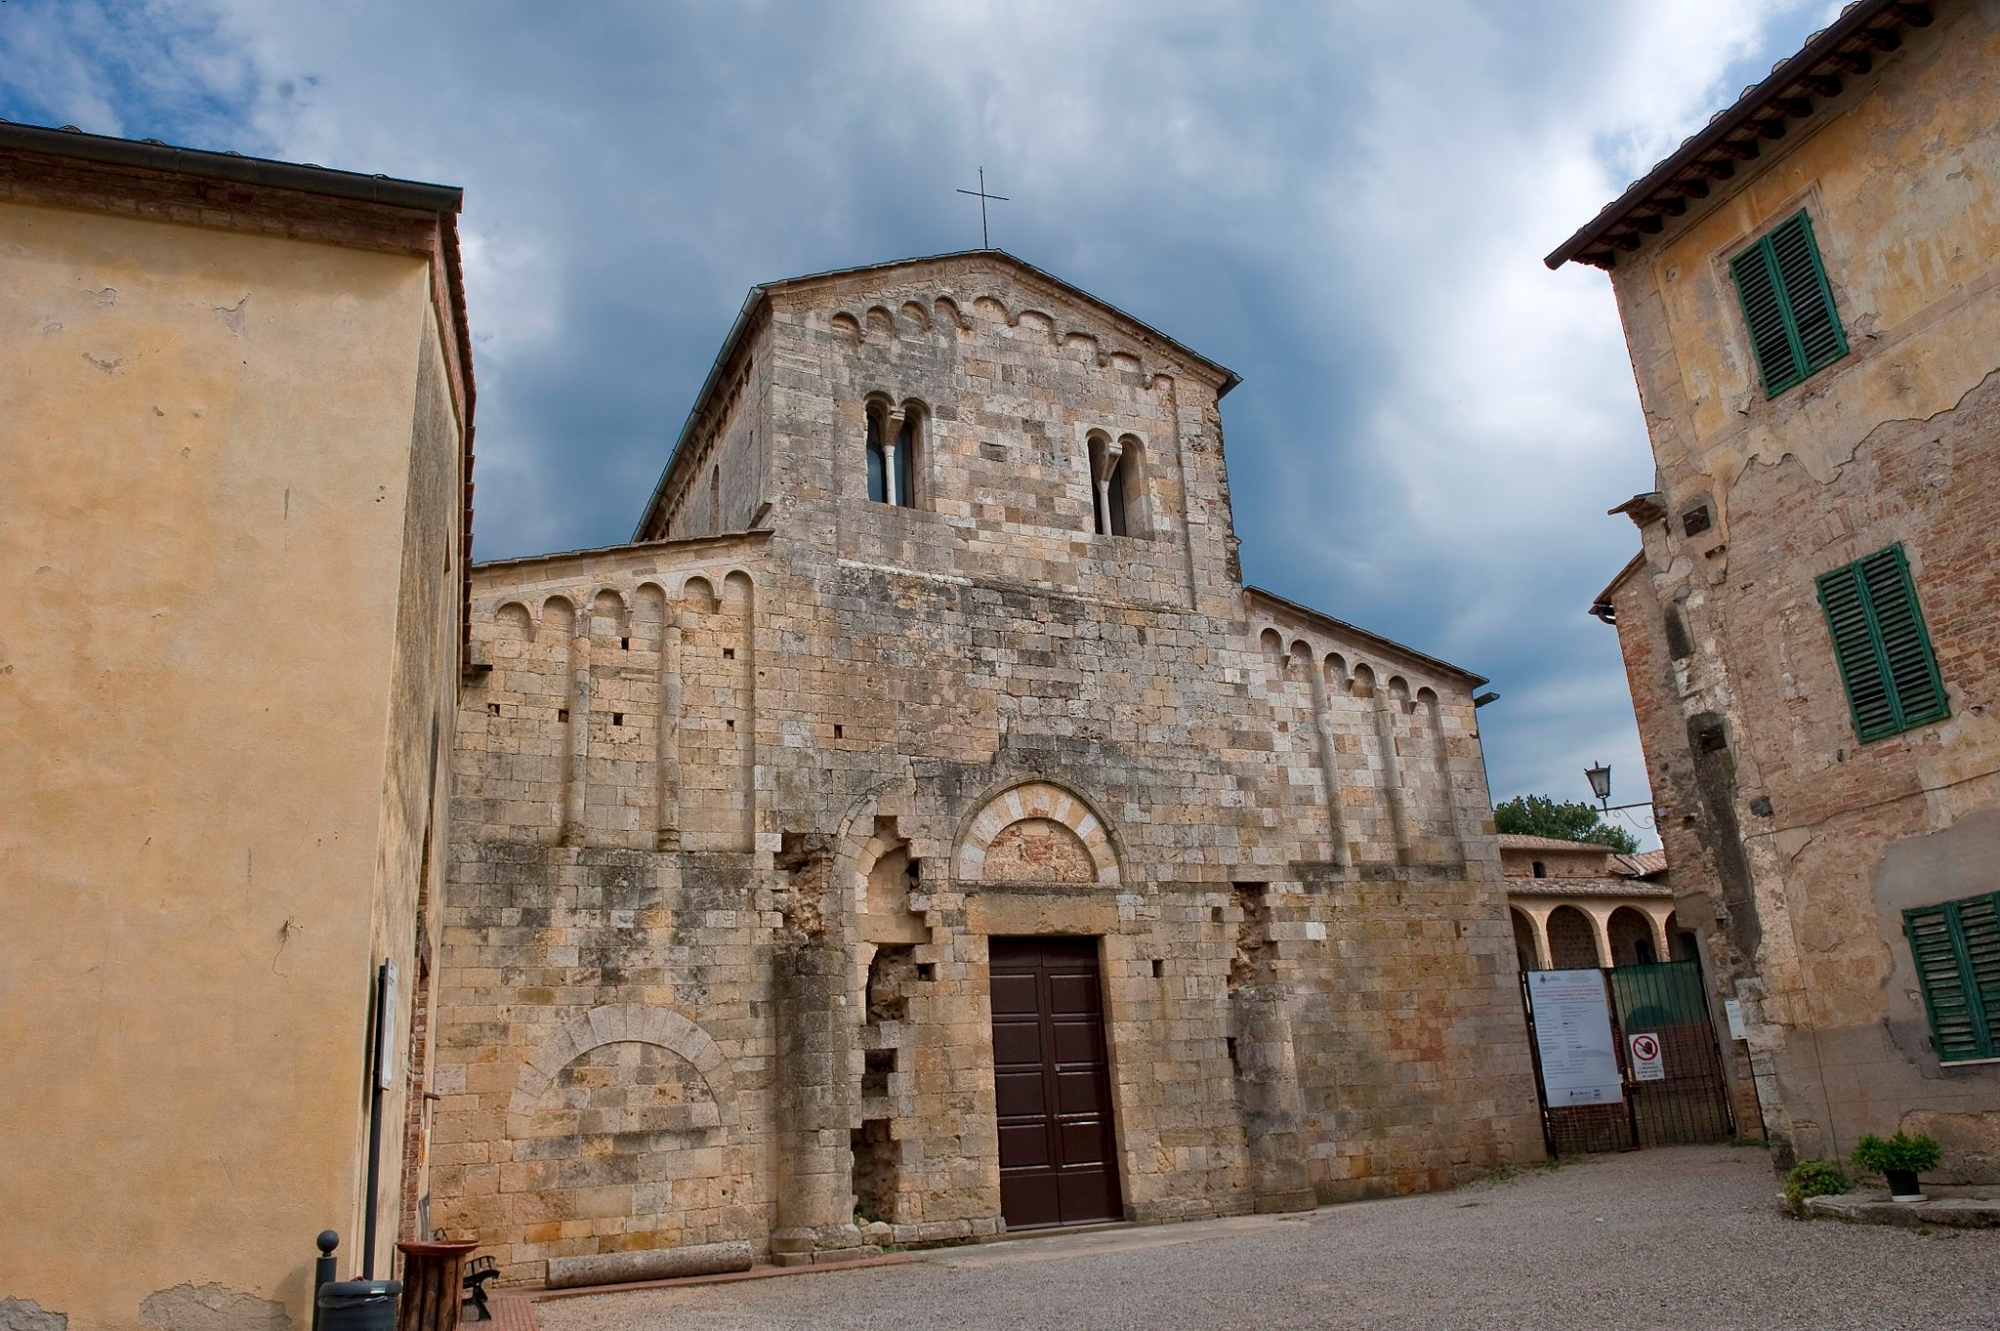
point(1572, 942)
point(1631, 938)
point(1682, 941)
point(1051, 1065)
point(1524, 939)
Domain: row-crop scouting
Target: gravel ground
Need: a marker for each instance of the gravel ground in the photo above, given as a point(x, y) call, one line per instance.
point(1680, 1237)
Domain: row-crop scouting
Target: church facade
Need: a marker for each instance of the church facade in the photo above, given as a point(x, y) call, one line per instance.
point(919, 831)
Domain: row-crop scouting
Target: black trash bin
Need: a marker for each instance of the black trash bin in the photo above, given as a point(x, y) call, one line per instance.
point(359, 1305)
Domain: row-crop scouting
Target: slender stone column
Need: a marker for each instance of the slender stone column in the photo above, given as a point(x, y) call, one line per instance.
point(577, 737)
point(668, 835)
point(1112, 452)
point(1663, 946)
point(892, 437)
point(1392, 777)
point(1600, 930)
point(1545, 957)
point(1336, 820)
point(1441, 750)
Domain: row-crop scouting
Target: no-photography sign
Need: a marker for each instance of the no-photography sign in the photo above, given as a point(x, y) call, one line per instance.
point(1646, 1063)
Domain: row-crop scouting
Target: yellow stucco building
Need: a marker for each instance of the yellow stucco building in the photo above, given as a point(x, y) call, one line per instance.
point(237, 399)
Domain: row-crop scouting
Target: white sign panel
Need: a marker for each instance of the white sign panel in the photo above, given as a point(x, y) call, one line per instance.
point(1734, 1011)
point(385, 1027)
point(1646, 1062)
point(1573, 1034)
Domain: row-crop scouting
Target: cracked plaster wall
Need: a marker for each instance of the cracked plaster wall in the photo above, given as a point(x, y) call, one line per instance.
point(1784, 832)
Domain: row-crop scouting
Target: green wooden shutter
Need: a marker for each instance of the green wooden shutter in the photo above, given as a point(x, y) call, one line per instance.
point(1788, 305)
point(1979, 941)
point(1840, 595)
point(1807, 295)
point(1881, 646)
point(1764, 313)
point(1956, 947)
point(1906, 649)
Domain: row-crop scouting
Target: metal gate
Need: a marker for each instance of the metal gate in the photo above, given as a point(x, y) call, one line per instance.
point(1689, 1103)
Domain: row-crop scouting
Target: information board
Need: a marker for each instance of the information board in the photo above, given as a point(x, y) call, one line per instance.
point(1573, 1037)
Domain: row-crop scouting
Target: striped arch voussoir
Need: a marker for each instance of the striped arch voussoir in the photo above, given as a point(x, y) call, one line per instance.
point(1035, 799)
point(621, 1023)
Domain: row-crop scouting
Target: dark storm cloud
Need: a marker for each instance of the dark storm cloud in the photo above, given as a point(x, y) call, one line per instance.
point(1346, 204)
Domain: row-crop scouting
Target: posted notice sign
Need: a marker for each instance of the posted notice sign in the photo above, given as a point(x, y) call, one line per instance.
point(1647, 1064)
point(1573, 1036)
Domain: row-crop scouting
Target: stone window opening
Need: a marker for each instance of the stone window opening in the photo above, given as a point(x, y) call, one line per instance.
point(895, 443)
point(1541, 869)
point(892, 967)
point(876, 1066)
point(1117, 485)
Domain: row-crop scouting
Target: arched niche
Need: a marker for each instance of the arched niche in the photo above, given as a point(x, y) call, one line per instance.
point(559, 615)
point(698, 596)
point(515, 618)
point(634, 1023)
point(884, 875)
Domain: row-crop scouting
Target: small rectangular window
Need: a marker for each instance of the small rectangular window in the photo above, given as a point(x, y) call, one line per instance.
point(1881, 646)
point(1788, 305)
point(1956, 947)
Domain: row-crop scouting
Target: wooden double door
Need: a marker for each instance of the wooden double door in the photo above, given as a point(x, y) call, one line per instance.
point(1052, 1083)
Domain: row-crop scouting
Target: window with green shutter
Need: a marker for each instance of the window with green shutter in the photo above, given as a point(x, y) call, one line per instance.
point(1956, 946)
point(1788, 305)
point(1879, 641)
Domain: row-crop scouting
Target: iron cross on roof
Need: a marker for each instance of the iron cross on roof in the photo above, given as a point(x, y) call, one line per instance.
point(985, 243)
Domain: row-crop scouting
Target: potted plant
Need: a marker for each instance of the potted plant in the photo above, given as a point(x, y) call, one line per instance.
point(1899, 1159)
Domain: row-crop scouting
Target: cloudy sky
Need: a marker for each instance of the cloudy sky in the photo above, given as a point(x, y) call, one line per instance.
point(1346, 202)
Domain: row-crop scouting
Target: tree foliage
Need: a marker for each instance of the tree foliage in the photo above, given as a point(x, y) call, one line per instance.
point(1576, 820)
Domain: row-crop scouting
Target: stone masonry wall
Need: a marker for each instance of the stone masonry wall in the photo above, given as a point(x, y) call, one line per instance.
point(927, 728)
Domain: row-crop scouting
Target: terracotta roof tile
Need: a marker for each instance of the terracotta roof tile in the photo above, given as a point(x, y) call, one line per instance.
point(1522, 841)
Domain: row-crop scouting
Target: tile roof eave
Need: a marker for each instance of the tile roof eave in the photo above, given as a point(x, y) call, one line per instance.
point(1755, 108)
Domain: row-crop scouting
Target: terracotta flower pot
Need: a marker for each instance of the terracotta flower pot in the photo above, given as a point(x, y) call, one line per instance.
point(1903, 1185)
